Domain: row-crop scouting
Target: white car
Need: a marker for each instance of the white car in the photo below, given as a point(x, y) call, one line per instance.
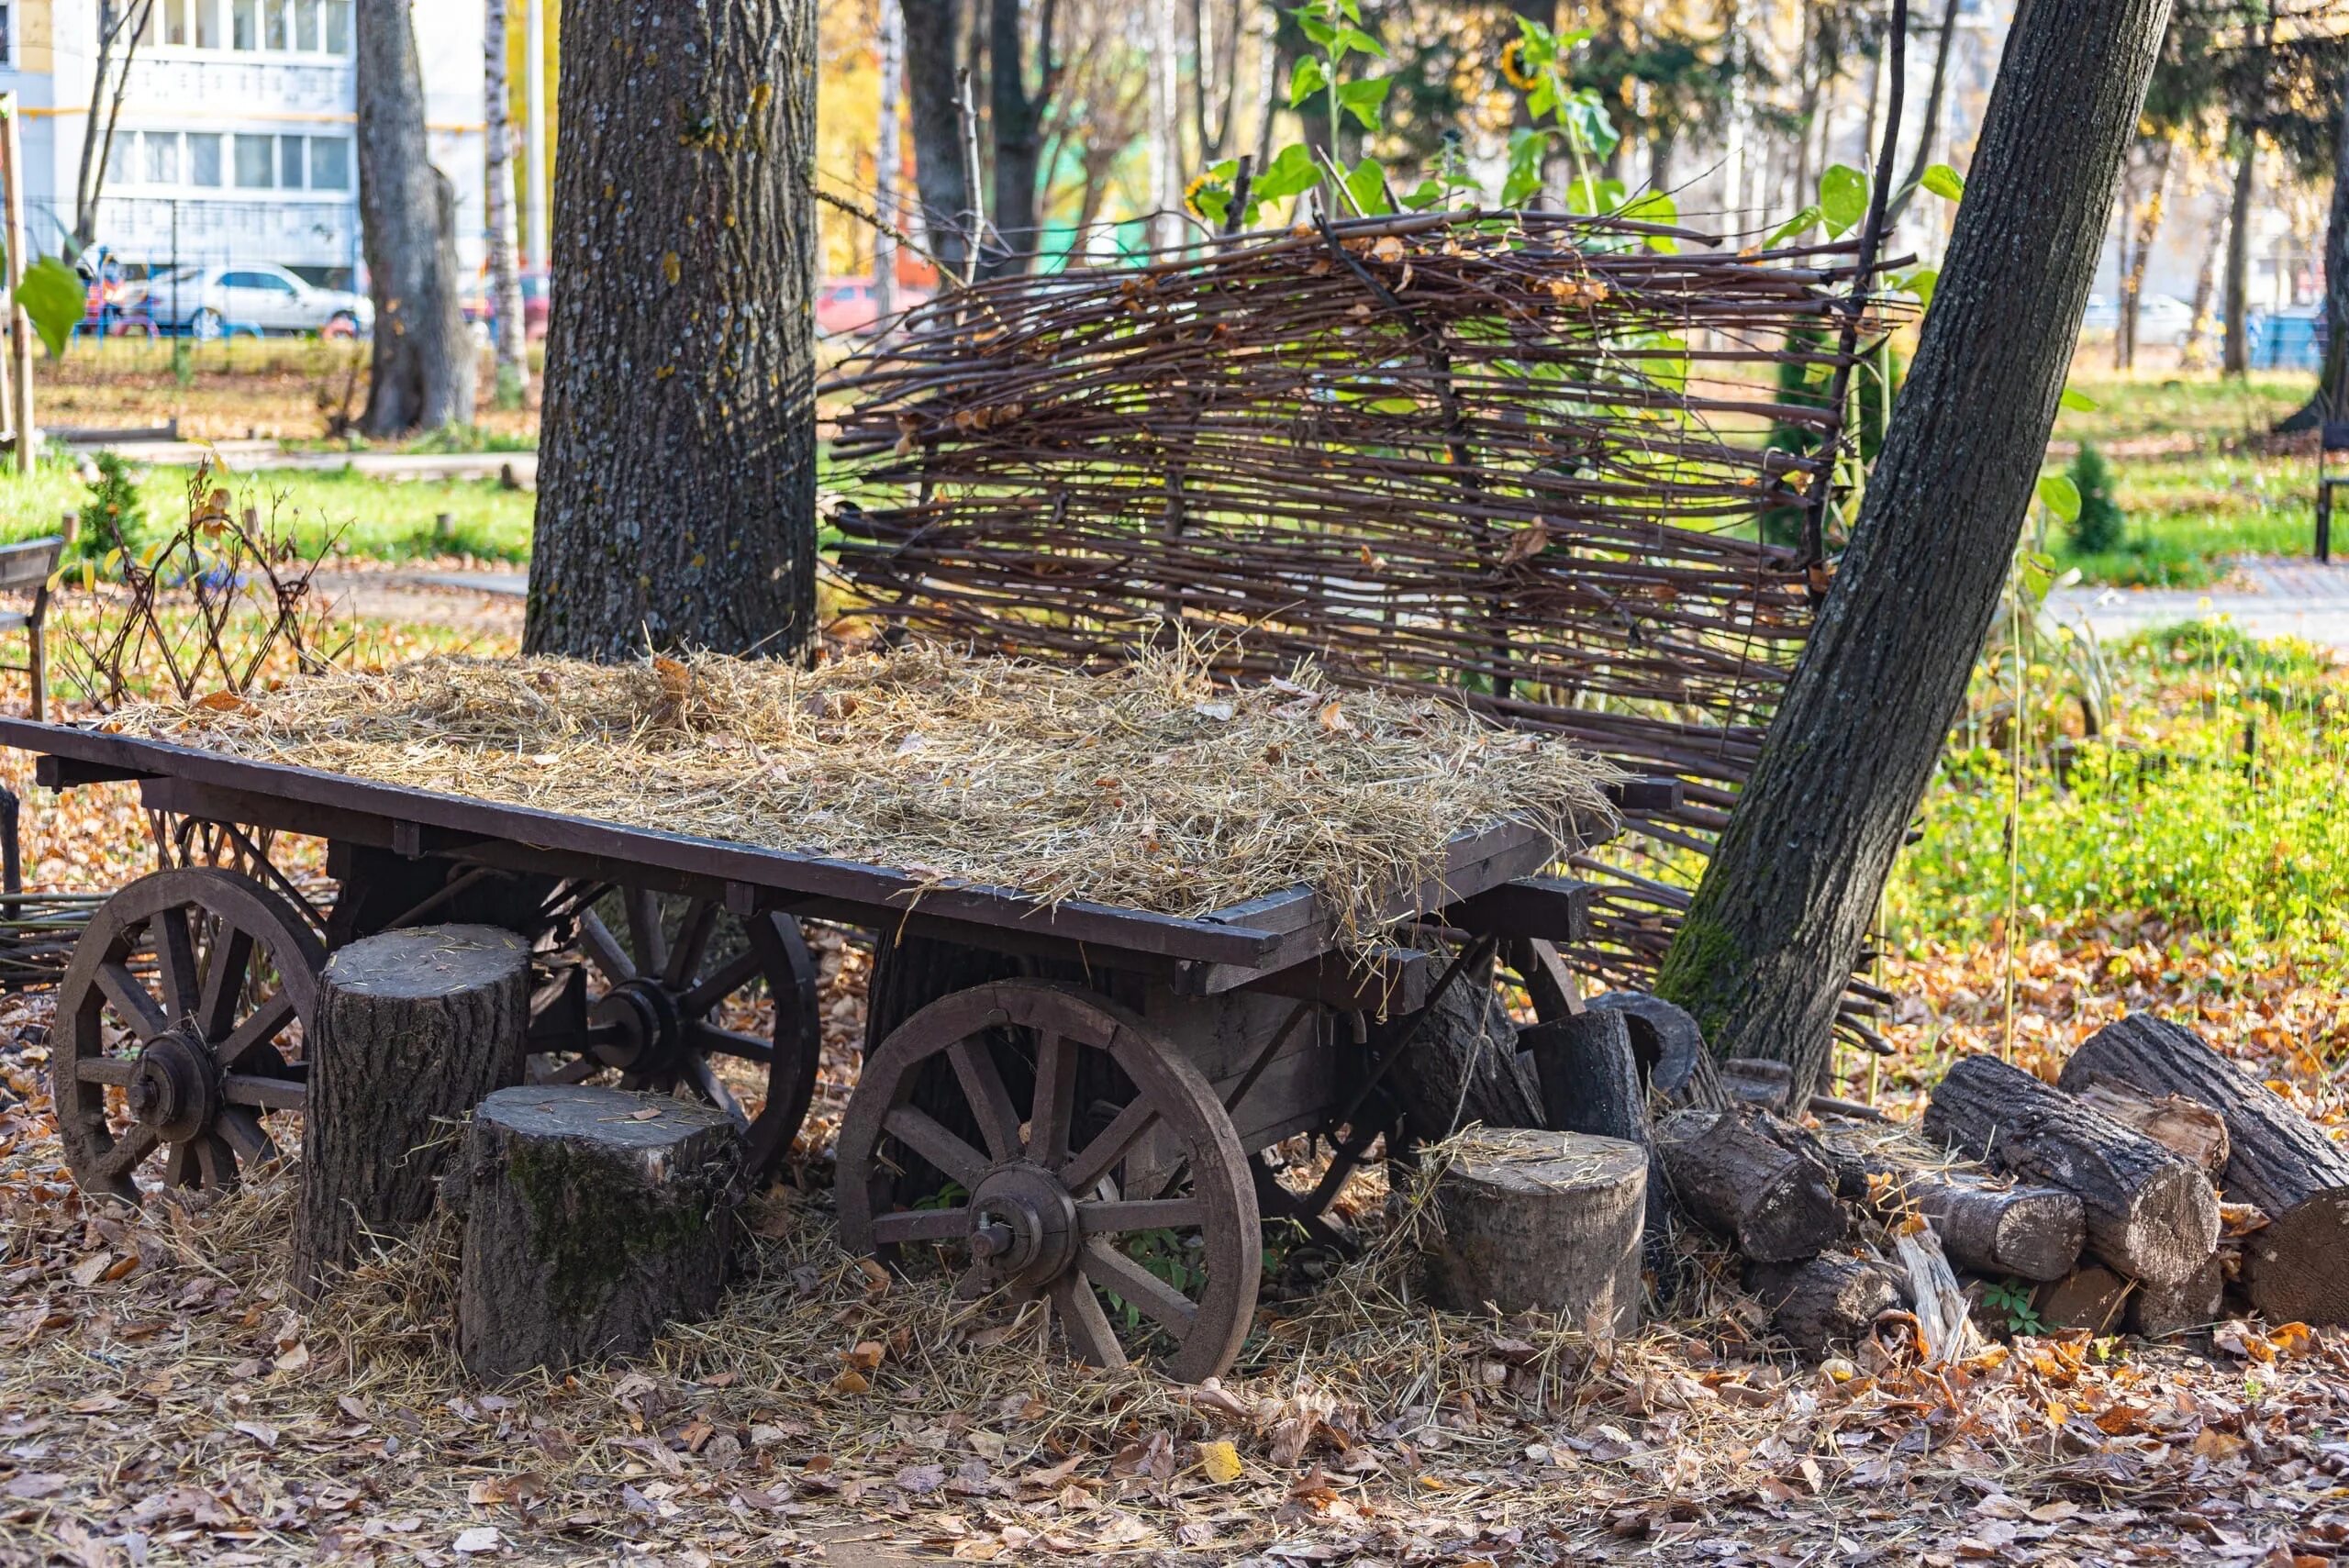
point(252, 296)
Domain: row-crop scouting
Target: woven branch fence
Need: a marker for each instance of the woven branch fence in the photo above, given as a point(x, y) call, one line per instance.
point(1517, 455)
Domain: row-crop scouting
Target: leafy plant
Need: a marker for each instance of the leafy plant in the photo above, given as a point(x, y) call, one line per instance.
point(2098, 525)
point(113, 518)
point(2011, 1299)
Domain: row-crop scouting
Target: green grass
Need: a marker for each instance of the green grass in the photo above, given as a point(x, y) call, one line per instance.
point(2212, 799)
point(2195, 477)
point(376, 518)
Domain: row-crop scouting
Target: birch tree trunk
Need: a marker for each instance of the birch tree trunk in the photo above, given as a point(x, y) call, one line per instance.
point(1165, 130)
point(421, 375)
point(505, 281)
point(887, 157)
point(677, 473)
point(1776, 924)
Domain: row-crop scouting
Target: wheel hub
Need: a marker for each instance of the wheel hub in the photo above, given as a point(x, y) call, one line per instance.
point(650, 1030)
point(1023, 1225)
point(176, 1088)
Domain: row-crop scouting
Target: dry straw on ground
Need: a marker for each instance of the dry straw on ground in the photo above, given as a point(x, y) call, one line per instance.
point(1149, 785)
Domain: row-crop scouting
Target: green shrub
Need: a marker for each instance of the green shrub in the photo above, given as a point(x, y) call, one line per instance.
point(113, 515)
point(2100, 525)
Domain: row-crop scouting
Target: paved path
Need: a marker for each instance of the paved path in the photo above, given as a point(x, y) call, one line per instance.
point(246, 457)
point(2285, 598)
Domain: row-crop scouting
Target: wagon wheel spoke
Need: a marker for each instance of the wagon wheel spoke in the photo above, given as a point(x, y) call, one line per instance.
point(132, 1002)
point(262, 1092)
point(180, 1170)
point(723, 982)
point(1137, 1286)
point(244, 1131)
point(921, 1132)
point(576, 1071)
point(129, 1150)
point(990, 1101)
point(224, 983)
point(729, 1042)
point(645, 942)
point(1110, 1146)
point(263, 1024)
point(921, 1225)
point(115, 1070)
point(1115, 1216)
point(1054, 1106)
point(714, 1089)
point(693, 941)
point(1086, 1325)
point(604, 950)
point(214, 1159)
point(176, 958)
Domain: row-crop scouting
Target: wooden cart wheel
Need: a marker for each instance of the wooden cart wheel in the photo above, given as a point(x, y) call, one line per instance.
point(169, 1024)
point(1132, 1211)
point(650, 1012)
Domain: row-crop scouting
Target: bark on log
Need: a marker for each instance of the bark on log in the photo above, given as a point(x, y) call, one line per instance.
point(2149, 1214)
point(1777, 924)
point(1763, 1085)
point(1671, 1051)
point(2163, 1311)
point(1463, 1069)
point(1737, 1182)
point(1826, 1303)
point(2188, 1128)
point(415, 1027)
point(2297, 1267)
point(1986, 1224)
point(1590, 1073)
point(2090, 1298)
point(1543, 1221)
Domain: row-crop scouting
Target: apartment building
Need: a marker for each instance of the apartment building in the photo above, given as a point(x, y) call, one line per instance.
point(235, 141)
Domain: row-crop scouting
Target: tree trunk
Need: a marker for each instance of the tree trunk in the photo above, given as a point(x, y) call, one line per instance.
point(594, 1217)
point(2189, 354)
point(1826, 1303)
point(1166, 128)
point(2331, 400)
point(122, 25)
point(1540, 1221)
point(2141, 226)
point(888, 161)
point(2150, 1214)
point(678, 475)
point(421, 374)
point(932, 59)
point(415, 1028)
point(2297, 1267)
point(1019, 116)
point(1737, 1182)
point(1778, 920)
point(504, 278)
point(2234, 357)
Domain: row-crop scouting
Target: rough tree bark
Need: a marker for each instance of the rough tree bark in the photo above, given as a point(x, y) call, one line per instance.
point(415, 1027)
point(1735, 1180)
point(2331, 400)
point(505, 278)
point(946, 199)
point(2234, 352)
point(1777, 923)
point(677, 473)
point(421, 375)
point(1019, 122)
point(1537, 1221)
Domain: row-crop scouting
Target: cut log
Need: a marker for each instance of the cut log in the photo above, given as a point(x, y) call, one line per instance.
point(2188, 1128)
point(1757, 1082)
point(2089, 1298)
point(1671, 1049)
point(1589, 1070)
point(1985, 1223)
point(1778, 1206)
point(1543, 1221)
point(415, 1027)
point(593, 1218)
point(2148, 1213)
point(1462, 1069)
point(2298, 1266)
point(1826, 1303)
point(2164, 1311)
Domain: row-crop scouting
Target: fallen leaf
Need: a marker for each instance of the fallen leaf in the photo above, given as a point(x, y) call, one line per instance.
point(480, 1538)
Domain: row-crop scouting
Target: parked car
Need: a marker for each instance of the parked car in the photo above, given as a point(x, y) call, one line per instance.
point(252, 296)
point(536, 298)
point(847, 304)
point(2161, 318)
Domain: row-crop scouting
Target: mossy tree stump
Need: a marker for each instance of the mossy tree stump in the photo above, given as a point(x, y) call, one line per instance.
point(593, 1218)
point(414, 1028)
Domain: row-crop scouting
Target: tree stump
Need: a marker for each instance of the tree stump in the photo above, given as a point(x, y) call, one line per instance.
point(1736, 1181)
point(415, 1027)
point(2298, 1266)
point(1758, 1082)
point(1543, 1221)
point(2149, 1213)
point(1825, 1303)
point(593, 1218)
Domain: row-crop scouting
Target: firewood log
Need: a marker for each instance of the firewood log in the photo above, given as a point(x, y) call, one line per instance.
point(1736, 1181)
point(1826, 1303)
point(2186, 1128)
point(2298, 1266)
point(2149, 1214)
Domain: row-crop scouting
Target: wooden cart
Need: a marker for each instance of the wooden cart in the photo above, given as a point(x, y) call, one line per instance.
point(1073, 1101)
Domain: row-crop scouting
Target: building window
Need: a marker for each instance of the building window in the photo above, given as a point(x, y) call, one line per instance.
point(163, 160)
point(122, 157)
point(172, 20)
point(305, 26)
point(329, 163)
point(204, 158)
point(207, 23)
point(289, 163)
point(274, 32)
point(8, 34)
point(338, 26)
point(256, 162)
point(244, 24)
